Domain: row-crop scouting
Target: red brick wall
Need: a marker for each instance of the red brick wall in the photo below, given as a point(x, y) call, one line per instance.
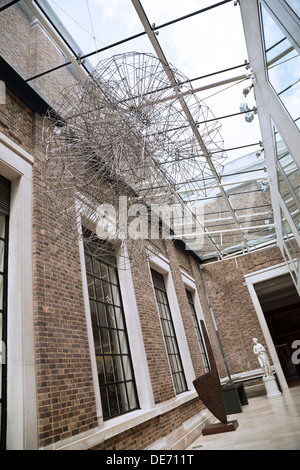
point(65, 391)
point(232, 305)
point(16, 121)
point(142, 436)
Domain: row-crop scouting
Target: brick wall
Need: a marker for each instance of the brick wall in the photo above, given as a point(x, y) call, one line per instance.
point(16, 121)
point(232, 305)
point(65, 391)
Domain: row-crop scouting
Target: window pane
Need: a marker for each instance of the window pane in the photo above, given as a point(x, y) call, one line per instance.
point(90, 284)
point(123, 342)
point(105, 339)
point(110, 372)
point(295, 5)
point(93, 308)
point(127, 367)
point(98, 289)
point(113, 400)
point(1, 291)
point(283, 63)
point(100, 369)
point(1, 255)
point(123, 400)
point(96, 266)
point(290, 242)
point(107, 292)
point(119, 318)
point(97, 343)
point(288, 179)
point(104, 401)
point(102, 314)
point(116, 295)
point(104, 271)
point(111, 317)
point(113, 275)
point(88, 263)
point(131, 395)
point(2, 225)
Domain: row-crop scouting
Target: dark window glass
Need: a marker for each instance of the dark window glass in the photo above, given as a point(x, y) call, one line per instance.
point(114, 365)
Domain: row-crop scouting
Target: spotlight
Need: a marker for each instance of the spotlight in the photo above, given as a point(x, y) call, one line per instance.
point(246, 91)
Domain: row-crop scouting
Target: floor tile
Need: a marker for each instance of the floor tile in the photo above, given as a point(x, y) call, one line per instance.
point(265, 424)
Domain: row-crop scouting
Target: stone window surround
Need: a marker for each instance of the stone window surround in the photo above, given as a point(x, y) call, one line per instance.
point(16, 166)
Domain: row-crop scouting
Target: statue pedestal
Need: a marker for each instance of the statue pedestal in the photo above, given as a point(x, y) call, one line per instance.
point(271, 386)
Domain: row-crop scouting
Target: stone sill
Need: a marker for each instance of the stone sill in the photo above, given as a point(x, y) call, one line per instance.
point(120, 424)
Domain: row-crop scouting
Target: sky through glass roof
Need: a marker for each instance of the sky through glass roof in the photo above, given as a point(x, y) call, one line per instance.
point(204, 41)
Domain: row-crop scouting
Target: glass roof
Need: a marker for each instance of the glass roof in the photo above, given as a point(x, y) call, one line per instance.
point(204, 41)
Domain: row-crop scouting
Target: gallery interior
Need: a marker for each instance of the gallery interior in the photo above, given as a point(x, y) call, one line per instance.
point(149, 223)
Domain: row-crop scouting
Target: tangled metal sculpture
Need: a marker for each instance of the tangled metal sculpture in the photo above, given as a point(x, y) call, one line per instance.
point(122, 133)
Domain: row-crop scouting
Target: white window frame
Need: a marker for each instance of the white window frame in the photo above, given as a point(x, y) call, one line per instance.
point(22, 434)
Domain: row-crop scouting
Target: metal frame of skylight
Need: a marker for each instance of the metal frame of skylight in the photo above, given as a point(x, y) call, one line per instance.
point(78, 62)
point(160, 54)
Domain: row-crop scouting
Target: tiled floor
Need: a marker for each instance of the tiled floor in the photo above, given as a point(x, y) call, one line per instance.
point(264, 424)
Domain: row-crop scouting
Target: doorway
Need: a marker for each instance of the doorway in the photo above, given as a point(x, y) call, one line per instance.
point(280, 303)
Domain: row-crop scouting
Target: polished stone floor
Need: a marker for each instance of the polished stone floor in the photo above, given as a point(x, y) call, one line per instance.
point(264, 424)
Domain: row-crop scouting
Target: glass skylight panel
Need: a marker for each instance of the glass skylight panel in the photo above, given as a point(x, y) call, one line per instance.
point(283, 63)
point(288, 179)
point(295, 5)
point(97, 25)
point(85, 27)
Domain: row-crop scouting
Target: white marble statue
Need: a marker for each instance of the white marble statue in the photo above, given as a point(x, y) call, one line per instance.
point(262, 357)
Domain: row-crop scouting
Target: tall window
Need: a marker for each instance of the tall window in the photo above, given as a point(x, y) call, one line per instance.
point(169, 333)
point(198, 331)
point(114, 365)
point(4, 212)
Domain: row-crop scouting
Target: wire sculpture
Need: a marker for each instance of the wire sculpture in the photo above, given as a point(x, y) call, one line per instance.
point(122, 135)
